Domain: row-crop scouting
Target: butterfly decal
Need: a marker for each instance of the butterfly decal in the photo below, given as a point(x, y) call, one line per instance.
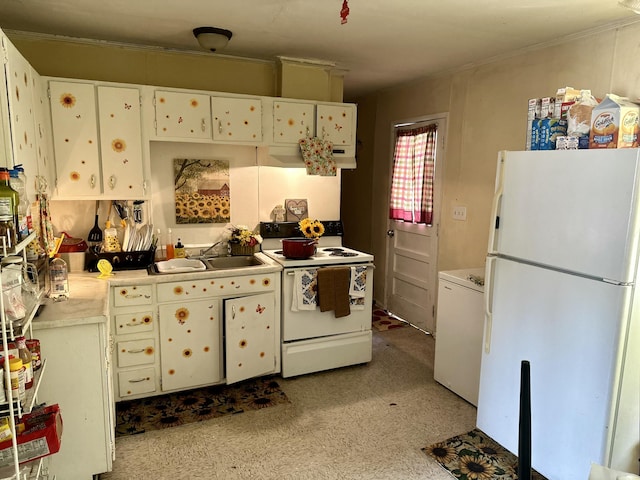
point(127, 106)
point(180, 120)
point(260, 309)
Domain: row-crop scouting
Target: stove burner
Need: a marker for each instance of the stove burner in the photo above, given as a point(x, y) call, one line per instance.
point(343, 254)
point(333, 249)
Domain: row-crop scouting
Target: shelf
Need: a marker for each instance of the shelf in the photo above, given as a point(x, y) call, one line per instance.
point(4, 251)
point(28, 403)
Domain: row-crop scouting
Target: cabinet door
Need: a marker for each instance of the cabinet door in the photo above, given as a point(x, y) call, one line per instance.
point(251, 344)
point(335, 123)
point(182, 115)
point(121, 141)
point(190, 344)
point(5, 132)
point(22, 123)
point(40, 180)
point(237, 119)
point(75, 138)
point(292, 121)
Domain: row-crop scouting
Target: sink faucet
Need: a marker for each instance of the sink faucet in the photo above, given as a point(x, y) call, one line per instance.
point(204, 251)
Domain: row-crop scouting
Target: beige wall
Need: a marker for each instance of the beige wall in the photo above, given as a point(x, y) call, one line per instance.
point(487, 108)
point(60, 57)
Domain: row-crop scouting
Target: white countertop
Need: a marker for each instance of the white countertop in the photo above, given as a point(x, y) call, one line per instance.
point(89, 295)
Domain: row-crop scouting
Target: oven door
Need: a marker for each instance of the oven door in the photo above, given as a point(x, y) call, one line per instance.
point(305, 324)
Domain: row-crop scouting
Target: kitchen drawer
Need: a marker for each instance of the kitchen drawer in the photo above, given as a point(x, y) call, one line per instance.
point(129, 295)
point(134, 322)
point(136, 352)
point(225, 286)
point(135, 382)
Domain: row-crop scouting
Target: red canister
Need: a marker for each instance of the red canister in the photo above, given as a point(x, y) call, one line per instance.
point(33, 344)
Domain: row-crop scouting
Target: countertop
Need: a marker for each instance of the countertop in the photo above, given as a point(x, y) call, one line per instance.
point(89, 295)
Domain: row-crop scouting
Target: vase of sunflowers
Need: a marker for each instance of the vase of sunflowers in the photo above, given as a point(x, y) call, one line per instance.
point(301, 248)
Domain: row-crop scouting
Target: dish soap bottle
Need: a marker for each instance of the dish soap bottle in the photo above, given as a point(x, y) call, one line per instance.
point(170, 252)
point(59, 280)
point(179, 250)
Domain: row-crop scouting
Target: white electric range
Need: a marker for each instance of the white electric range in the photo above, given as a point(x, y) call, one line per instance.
point(312, 340)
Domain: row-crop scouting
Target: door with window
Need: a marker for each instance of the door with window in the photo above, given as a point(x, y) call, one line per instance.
point(414, 218)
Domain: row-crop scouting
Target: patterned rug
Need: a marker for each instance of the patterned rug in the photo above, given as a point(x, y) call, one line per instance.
point(163, 411)
point(475, 456)
point(383, 320)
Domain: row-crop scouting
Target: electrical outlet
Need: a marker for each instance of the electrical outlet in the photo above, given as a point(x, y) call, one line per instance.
point(459, 213)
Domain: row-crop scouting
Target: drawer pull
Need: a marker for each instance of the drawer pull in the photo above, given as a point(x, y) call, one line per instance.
point(138, 380)
point(140, 350)
point(134, 324)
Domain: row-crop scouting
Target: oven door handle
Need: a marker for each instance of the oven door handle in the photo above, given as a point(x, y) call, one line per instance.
point(290, 271)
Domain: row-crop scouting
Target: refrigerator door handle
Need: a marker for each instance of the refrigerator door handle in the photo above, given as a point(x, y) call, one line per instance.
point(488, 303)
point(497, 202)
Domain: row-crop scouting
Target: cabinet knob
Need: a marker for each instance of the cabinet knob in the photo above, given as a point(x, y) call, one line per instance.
point(391, 233)
point(112, 182)
point(92, 181)
point(219, 126)
point(203, 125)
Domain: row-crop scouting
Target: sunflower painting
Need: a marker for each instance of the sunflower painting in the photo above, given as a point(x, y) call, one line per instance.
point(202, 192)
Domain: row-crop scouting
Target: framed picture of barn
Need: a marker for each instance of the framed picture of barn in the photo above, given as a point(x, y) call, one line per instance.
point(202, 191)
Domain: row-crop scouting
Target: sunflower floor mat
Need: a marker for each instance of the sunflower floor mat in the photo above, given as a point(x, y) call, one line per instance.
point(476, 456)
point(170, 410)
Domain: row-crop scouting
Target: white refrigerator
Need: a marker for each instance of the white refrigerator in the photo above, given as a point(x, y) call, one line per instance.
point(561, 292)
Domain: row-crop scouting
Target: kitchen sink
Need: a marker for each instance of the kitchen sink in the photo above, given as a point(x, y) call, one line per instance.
point(187, 265)
point(240, 261)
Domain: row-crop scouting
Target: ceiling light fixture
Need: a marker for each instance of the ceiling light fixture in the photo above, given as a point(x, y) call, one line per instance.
point(212, 38)
point(631, 5)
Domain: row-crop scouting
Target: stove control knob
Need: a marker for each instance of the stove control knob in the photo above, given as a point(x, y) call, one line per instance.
point(276, 227)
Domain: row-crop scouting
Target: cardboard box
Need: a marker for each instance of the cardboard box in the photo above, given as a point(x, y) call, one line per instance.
point(42, 437)
point(550, 130)
point(614, 123)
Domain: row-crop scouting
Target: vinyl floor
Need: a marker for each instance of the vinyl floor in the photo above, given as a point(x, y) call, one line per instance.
point(361, 422)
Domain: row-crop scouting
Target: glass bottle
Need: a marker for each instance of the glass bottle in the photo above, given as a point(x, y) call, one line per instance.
point(169, 245)
point(25, 356)
point(59, 279)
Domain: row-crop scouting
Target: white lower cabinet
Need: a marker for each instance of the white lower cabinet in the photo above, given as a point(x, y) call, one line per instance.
point(178, 335)
point(250, 336)
point(135, 339)
point(77, 378)
point(190, 341)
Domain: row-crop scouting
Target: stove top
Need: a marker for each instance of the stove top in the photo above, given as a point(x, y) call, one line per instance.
point(323, 256)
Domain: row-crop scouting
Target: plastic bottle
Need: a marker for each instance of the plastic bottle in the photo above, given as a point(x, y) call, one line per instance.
point(25, 356)
point(169, 245)
point(179, 250)
point(16, 374)
point(59, 279)
point(9, 200)
point(18, 183)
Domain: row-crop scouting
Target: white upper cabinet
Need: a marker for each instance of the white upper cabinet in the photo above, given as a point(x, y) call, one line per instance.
point(20, 89)
point(182, 115)
point(5, 132)
point(43, 179)
point(75, 138)
point(97, 140)
point(237, 120)
point(336, 123)
point(121, 141)
point(292, 121)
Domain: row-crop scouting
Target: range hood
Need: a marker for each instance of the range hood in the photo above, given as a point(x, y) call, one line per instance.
point(290, 157)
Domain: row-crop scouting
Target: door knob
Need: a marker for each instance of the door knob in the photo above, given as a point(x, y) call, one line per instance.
point(390, 233)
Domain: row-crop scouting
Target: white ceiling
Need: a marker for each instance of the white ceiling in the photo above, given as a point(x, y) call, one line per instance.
point(383, 43)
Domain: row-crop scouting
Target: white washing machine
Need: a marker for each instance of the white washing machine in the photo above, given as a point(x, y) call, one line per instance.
point(459, 329)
